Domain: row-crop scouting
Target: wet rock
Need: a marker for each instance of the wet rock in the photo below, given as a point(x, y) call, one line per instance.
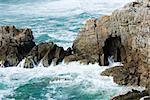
point(46, 53)
point(132, 95)
point(82, 59)
point(84, 62)
point(112, 71)
point(115, 71)
point(148, 88)
point(71, 58)
point(29, 63)
point(15, 44)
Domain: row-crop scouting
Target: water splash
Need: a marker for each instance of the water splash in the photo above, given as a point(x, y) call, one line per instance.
point(112, 63)
point(111, 60)
point(21, 63)
point(1, 64)
point(58, 82)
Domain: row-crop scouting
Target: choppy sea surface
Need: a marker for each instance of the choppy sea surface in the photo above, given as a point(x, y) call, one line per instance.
point(54, 20)
point(58, 21)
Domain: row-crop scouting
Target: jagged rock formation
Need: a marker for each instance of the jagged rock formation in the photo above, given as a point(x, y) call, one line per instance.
point(125, 35)
point(46, 53)
point(17, 44)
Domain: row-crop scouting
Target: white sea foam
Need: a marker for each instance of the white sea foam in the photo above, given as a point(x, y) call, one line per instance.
point(72, 74)
point(145, 97)
point(64, 7)
point(21, 64)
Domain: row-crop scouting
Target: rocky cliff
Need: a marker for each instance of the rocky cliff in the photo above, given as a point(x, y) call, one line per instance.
point(125, 36)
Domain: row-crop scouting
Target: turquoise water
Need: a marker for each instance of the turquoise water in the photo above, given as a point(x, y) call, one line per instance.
point(54, 20)
point(58, 21)
point(62, 82)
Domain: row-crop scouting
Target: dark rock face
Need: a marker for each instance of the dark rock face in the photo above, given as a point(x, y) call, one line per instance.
point(14, 44)
point(17, 44)
point(46, 53)
point(132, 95)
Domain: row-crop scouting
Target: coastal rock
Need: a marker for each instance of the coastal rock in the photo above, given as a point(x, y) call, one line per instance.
point(86, 43)
point(46, 53)
point(123, 76)
point(132, 95)
point(124, 36)
point(71, 58)
point(15, 44)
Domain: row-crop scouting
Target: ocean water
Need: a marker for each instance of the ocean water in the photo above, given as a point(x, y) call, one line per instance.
point(58, 21)
point(54, 20)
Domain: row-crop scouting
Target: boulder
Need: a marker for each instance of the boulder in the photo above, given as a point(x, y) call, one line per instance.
point(15, 44)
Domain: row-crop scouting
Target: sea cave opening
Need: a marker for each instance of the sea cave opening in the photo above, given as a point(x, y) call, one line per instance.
point(112, 49)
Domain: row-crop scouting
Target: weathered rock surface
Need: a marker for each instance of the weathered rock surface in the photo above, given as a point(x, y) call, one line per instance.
point(132, 95)
point(14, 44)
point(125, 35)
point(46, 53)
point(17, 44)
point(74, 57)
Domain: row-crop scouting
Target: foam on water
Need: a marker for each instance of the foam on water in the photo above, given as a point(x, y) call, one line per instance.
point(61, 7)
point(58, 82)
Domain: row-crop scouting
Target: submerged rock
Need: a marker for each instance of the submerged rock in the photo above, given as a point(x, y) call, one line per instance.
point(125, 36)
